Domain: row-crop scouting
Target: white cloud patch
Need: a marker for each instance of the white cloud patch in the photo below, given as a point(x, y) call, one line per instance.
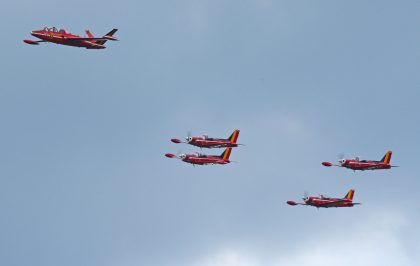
point(378, 242)
point(227, 257)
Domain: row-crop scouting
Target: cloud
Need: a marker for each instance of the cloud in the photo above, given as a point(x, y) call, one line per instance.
point(377, 242)
point(227, 257)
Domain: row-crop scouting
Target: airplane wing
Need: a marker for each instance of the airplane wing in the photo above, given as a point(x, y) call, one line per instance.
point(328, 164)
point(89, 39)
point(34, 42)
point(293, 203)
point(170, 155)
point(369, 167)
point(332, 204)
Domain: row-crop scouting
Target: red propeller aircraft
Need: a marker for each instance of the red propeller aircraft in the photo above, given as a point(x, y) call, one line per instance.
point(66, 38)
point(201, 159)
point(206, 142)
point(326, 202)
point(357, 164)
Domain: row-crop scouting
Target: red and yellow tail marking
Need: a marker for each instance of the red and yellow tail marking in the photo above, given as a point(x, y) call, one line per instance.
point(387, 158)
point(350, 194)
point(226, 154)
point(234, 137)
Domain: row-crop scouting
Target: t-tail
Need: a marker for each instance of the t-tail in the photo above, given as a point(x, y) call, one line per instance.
point(350, 195)
point(234, 137)
point(109, 36)
point(226, 154)
point(387, 158)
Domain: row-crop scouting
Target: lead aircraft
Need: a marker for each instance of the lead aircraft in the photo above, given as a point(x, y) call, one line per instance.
point(64, 37)
point(326, 202)
point(207, 142)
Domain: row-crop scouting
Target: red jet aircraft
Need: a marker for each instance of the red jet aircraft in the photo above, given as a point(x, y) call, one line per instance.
point(325, 202)
point(357, 164)
point(201, 159)
point(66, 38)
point(206, 142)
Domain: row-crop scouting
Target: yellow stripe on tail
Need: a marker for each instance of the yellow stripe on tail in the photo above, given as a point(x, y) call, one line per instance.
point(234, 137)
point(387, 157)
point(350, 194)
point(225, 155)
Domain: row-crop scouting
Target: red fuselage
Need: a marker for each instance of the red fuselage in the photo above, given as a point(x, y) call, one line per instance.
point(326, 202)
point(206, 142)
point(322, 202)
point(65, 38)
point(364, 165)
point(203, 159)
point(211, 142)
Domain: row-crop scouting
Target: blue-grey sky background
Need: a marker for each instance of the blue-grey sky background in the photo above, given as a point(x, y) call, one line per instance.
point(83, 179)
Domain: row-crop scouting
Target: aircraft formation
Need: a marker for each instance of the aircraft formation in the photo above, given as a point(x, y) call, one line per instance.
point(319, 202)
point(63, 37)
point(209, 143)
point(353, 164)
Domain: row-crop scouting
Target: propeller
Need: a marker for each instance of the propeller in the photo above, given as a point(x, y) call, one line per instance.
point(179, 155)
point(305, 196)
point(189, 136)
point(341, 158)
point(187, 139)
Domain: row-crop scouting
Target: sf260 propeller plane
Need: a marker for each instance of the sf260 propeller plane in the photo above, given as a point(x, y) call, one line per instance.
point(201, 159)
point(326, 202)
point(206, 142)
point(66, 38)
point(357, 164)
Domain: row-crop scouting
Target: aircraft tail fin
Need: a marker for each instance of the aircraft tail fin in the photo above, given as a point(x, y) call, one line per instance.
point(387, 158)
point(108, 36)
point(349, 194)
point(226, 154)
point(234, 137)
point(89, 34)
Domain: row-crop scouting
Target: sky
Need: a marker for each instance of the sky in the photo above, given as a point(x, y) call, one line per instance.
point(83, 177)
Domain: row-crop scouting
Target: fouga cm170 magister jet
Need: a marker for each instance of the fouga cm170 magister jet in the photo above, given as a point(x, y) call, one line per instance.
point(66, 38)
point(201, 159)
point(326, 202)
point(206, 142)
point(357, 164)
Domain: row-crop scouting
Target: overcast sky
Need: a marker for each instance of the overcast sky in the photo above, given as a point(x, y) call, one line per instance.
point(83, 179)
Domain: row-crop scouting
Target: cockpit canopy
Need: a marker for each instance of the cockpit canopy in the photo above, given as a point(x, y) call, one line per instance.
point(54, 29)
